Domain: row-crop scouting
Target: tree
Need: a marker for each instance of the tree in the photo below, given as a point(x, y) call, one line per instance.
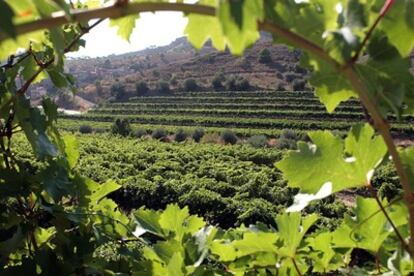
point(217, 82)
point(141, 88)
point(190, 85)
point(265, 56)
point(118, 91)
point(121, 127)
point(162, 87)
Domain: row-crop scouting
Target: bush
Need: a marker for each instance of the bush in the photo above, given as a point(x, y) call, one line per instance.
point(85, 129)
point(190, 85)
point(159, 133)
point(118, 91)
point(121, 127)
point(298, 85)
point(237, 83)
point(217, 82)
point(289, 134)
point(173, 80)
point(162, 87)
point(140, 132)
point(180, 135)
point(228, 137)
point(258, 141)
point(198, 134)
point(265, 56)
point(141, 88)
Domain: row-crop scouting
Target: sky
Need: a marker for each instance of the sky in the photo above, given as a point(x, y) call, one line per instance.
point(156, 29)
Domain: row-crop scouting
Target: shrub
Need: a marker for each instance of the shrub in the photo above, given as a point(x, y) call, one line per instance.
point(180, 135)
point(283, 143)
point(258, 141)
point(228, 137)
point(298, 85)
point(159, 133)
point(190, 85)
point(217, 82)
point(140, 132)
point(118, 91)
point(121, 127)
point(280, 87)
point(237, 83)
point(265, 56)
point(85, 129)
point(162, 87)
point(141, 88)
point(289, 134)
point(198, 134)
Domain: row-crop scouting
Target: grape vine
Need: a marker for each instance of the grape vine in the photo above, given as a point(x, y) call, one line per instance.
point(57, 221)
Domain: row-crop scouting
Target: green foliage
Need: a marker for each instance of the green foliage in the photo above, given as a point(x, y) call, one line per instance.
point(56, 221)
point(141, 88)
point(180, 135)
point(159, 133)
point(162, 87)
point(217, 82)
point(198, 134)
point(190, 85)
point(258, 141)
point(121, 127)
point(237, 83)
point(140, 132)
point(228, 137)
point(265, 56)
point(85, 129)
point(118, 91)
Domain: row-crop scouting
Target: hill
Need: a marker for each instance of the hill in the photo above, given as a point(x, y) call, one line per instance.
point(179, 61)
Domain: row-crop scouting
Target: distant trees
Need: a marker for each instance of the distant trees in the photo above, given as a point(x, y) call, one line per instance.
point(237, 83)
point(162, 87)
point(118, 91)
point(121, 127)
point(98, 87)
point(141, 88)
point(217, 82)
point(190, 85)
point(265, 56)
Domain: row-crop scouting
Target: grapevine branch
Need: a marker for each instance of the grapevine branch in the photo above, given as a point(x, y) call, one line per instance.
point(348, 70)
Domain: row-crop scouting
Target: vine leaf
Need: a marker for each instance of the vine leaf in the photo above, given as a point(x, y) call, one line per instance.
point(125, 25)
point(407, 158)
point(328, 159)
point(201, 28)
point(370, 228)
point(239, 23)
point(398, 24)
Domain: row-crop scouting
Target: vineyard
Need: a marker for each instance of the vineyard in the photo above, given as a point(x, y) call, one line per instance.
point(80, 195)
point(246, 113)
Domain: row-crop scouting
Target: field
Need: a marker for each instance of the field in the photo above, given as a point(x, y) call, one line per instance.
point(228, 185)
point(246, 113)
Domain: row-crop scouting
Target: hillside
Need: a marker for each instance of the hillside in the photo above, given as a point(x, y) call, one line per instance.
point(177, 62)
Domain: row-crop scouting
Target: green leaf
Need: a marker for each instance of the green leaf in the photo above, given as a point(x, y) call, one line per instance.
point(201, 28)
point(125, 25)
point(329, 160)
point(370, 228)
point(71, 150)
point(398, 24)
point(407, 158)
point(147, 221)
point(175, 265)
point(6, 19)
point(292, 228)
point(323, 256)
point(240, 31)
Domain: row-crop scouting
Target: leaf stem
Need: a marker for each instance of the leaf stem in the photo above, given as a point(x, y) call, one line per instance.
point(296, 266)
point(374, 194)
point(79, 15)
point(384, 129)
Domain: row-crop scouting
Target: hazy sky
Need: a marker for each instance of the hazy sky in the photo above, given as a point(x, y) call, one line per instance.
point(151, 29)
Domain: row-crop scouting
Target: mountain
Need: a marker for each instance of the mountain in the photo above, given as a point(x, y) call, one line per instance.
point(179, 61)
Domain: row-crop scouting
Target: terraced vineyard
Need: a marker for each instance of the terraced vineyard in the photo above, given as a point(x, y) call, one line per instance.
point(246, 113)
